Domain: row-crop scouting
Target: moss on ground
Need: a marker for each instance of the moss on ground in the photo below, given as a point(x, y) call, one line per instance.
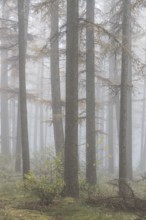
point(17, 204)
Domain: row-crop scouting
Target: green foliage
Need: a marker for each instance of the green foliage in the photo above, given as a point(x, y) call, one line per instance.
point(46, 180)
point(17, 204)
point(86, 190)
point(45, 163)
point(43, 187)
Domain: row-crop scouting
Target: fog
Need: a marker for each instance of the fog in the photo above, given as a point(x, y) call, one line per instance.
point(73, 90)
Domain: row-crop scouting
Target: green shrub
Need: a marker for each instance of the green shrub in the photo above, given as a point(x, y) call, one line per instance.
point(44, 188)
point(46, 182)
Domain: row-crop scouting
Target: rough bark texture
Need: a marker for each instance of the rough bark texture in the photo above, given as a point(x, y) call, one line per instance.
point(55, 81)
point(71, 118)
point(124, 98)
point(22, 86)
point(90, 97)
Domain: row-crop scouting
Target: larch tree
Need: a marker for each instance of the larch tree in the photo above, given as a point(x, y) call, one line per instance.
point(71, 117)
point(55, 79)
point(22, 40)
point(126, 49)
point(90, 96)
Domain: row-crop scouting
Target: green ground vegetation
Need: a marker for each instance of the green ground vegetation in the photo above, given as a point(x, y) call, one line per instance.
point(16, 203)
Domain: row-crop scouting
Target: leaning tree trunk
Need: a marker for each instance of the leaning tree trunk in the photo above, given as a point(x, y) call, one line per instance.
point(90, 96)
point(22, 85)
point(55, 81)
point(124, 94)
point(71, 118)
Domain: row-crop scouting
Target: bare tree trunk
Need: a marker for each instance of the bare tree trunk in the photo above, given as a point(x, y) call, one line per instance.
point(71, 118)
point(90, 97)
point(142, 155)
point(143, 130)
point(143, 135)
point(42, 144)
point(110, 139)
point(35, 137)
point(124, 94)
point(22, 85)
point(5, 144)
point(13, 125)
point(18, 161)
point(55, 81)
point(129, 106)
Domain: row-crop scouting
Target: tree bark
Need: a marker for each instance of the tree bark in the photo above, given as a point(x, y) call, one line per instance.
point(18, 161)
point(22, 85)
point(5, 144)
point(55, 81)
point(71, 118)
point(129, 106)
point(124, 97)
point(90, 97)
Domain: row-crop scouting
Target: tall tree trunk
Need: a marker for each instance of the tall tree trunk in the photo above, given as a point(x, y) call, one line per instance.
point(5, 144)
point(124, 95)
point(35, 136)
point(42, 144)
point(143, 130)
point(110, 138)
point(55, 81)
point(112, 74)
point(13, 126)
point(129, 107)
point(143, 134)
point(18, 161)
point(22, 85)
point(90, 97)
point(71, 118)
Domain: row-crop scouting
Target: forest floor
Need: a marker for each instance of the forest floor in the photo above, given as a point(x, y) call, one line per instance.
point(15, 204)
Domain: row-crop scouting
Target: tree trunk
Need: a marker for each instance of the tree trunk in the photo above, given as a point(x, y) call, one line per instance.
point(124, 97)
point(42, 144)
point(143, 134)
point(129, 107)
point(22, 86)
point(35, 136)
point(110, 138)
point(55, 81)
point(18, 161)
point(5, 145)
point(90, 97)
point(71, 118)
